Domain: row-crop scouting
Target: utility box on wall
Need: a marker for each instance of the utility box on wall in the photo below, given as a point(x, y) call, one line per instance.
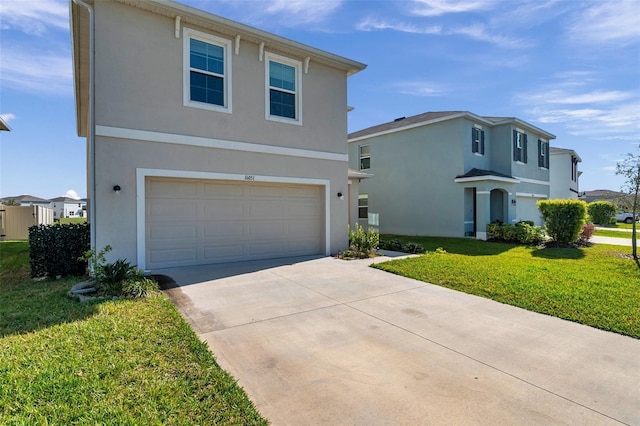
point(16, 220)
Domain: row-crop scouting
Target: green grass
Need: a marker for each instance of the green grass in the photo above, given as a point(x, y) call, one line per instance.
point(595, 286)
point(72, 220)
point(114, 362)
point(618, 225)
point(614, 234)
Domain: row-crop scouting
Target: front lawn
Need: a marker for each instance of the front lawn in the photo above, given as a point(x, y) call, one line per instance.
point(595, 286)
point(116, 362)
point(614, 234)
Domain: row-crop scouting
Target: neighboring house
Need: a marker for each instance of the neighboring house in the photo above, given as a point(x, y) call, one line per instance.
point(208, 140)
point(66, 207)
point(450, 173)
point(15, 221)
point(27, 200)
point(620, 199)
point(563, 173)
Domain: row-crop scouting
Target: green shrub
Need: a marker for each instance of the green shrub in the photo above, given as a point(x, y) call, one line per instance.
point(563, 219)
point(602, 212)
point(54, 250)
point(523, 232)
point(117, 278)
point(364, 242)
point(393, 245)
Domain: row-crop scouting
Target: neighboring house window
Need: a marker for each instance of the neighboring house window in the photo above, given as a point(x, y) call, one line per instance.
point(207, 71)
point(365, 157)
point(574, 169)
point(363, 206)
point(282, 89)
point(543, 154)
point(519, 146)
point(477, 140)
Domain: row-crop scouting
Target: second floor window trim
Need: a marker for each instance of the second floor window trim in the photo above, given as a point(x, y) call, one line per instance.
point(207, 71)
point(543, 154)
point(363, 206)
point(283, 89)
point(364, 152)
point(477, 140)
point(519, 146)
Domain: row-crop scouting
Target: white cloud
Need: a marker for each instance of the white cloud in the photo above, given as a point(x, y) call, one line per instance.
point(303, 11)
point(372, 24)
point(34, 17)
point(71, 193)
point(418, 88)
point(613, 23)
point(50, 73)
point(479, 32)
point(595, 96)
point(7, 117)
point(441, 7)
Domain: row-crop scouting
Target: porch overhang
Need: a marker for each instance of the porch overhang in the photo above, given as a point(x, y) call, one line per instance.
point(479, 175)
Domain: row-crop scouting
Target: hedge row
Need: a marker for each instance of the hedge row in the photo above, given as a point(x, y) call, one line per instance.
point(523, 232)
point(55, 249)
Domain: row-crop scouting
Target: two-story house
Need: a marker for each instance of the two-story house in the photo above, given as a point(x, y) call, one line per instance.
point(208, 140)
point(450, 173)
point(66, 207)
point(564, 175)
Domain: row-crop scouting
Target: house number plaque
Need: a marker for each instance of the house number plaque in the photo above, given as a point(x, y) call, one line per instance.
point(249, 177)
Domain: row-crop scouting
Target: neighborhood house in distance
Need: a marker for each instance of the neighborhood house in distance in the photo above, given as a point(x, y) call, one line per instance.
point(451, 173)
point(208, 140)
point(63, 207)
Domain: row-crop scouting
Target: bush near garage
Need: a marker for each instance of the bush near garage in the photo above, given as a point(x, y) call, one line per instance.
point(602, 212)
point(54, 250)
point(523, 232)
point(563, 219)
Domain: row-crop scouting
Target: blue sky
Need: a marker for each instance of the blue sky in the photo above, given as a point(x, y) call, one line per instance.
point(569, 67)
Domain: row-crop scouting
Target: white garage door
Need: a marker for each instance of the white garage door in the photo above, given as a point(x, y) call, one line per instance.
point(194, 222)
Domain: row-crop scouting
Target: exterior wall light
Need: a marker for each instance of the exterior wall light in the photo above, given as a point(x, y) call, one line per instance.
point(340, 195)
point(117, 189)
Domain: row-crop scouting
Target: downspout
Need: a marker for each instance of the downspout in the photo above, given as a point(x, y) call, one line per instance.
point(91, 130)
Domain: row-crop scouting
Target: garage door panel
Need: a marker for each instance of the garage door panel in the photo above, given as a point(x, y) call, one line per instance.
point(173, 189)
point(174, 255)
point(222, 209)
point(235, 251)
point(223, 189)
point(173, 232)
point(191, 222)
point(265, 209)
point(170, 209)
point(228, 229)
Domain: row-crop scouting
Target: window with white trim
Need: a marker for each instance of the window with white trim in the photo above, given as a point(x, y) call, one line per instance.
point(365, 157)
point(477, 140)
point(282, 89)
point(207, 71)
point(363, 206)
point(519, 146)
point(543, 154)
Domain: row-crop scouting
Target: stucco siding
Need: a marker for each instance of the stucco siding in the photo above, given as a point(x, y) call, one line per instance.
point(141, 87)
point(412, 188)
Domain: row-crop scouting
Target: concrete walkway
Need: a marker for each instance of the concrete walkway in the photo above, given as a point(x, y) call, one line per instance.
point(325, 341)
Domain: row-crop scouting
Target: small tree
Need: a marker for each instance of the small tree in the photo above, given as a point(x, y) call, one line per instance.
point(11, 202)
point(563, 219)
point(602, 212)
point(629, 168)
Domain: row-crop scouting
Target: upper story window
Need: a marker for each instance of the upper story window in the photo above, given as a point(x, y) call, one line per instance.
point(477, 140)
point(543, 154)
point(519, 146)
point(365, 157)
point(574, 169)
point(283, 89)
point(207, 71)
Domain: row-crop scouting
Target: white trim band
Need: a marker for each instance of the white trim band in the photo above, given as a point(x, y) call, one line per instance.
point(536, 181)
point(531, 195)
point(160, 137)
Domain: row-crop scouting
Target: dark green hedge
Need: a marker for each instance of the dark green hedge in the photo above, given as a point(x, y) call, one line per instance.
point(54, 249)
point(523, 232)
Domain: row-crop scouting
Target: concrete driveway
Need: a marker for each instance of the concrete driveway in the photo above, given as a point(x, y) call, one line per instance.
point(325, 341)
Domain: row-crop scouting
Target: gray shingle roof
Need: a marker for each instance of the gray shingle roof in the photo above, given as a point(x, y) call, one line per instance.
point(402, 122)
